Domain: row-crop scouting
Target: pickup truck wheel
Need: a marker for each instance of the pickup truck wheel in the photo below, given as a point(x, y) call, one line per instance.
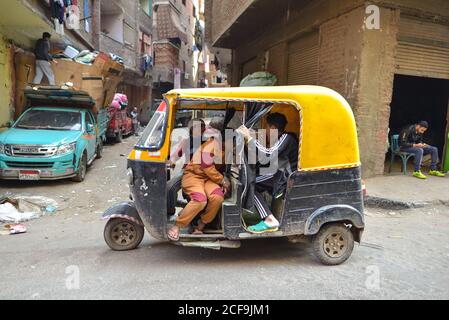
point(333, 244)
point(100, 150)
point(82, 168)
point(122, 235)
point(119, 137)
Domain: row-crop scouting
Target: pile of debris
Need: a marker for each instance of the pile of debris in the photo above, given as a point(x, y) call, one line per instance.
point(14, 210)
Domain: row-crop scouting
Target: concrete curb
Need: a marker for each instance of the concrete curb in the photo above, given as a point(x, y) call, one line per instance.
point(392, 204)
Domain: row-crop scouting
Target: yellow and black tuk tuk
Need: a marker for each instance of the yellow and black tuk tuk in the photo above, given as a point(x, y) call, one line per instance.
point(323, 200)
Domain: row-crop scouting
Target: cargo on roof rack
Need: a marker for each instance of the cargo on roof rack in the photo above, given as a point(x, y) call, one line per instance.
point(51, 97)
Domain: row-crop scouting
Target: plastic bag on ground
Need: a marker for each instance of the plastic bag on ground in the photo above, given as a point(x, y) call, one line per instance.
point(21, 208)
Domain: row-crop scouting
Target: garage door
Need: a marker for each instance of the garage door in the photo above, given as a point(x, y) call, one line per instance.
point(423, 48)
point(303, 60)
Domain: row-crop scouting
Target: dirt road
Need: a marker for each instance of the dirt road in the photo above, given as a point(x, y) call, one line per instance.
point(63, 256)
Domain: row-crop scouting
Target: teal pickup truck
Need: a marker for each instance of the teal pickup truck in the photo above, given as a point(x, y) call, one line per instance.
point(57, 137)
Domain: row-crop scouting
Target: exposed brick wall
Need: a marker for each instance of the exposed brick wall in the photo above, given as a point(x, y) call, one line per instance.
point(360, 65)
point(377, 68)
point(166, 58)
point(277, 61)
point(356, 62)
point(340, 52)
point(166, 55)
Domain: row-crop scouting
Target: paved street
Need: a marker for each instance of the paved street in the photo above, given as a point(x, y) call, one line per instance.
point(405, 254)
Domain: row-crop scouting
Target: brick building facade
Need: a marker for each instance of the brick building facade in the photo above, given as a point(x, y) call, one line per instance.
point(338, 44)
point(126, 30)
point(120, 27)
point(176, 47)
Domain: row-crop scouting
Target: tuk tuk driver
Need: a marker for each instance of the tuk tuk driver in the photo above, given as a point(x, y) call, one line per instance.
point(286, 149)
point(205, 187)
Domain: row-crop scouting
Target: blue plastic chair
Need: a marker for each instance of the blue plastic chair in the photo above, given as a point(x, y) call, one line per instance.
point(396, 151)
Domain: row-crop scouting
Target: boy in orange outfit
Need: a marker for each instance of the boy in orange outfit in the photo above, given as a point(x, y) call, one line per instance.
point(205, 186)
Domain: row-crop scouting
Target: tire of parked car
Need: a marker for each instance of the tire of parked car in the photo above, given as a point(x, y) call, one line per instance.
point(333, 244)
point(100, 149)
point(119, 136)
point(122, 234)
point(82, 169)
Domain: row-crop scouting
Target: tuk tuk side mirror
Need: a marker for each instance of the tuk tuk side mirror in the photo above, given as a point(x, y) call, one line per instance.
point(9, 124)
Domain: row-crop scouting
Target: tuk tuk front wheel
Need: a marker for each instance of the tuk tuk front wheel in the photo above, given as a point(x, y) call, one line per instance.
point(122, 235)
point(333, 244)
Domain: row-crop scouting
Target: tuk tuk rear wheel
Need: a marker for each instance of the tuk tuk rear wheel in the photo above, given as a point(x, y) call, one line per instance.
point(333, 244)
point(122, 235)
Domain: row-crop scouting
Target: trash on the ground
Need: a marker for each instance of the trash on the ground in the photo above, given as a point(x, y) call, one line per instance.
point(17, 229)
point(50, 209)
point(110, 167)
point(88, 191)
point(21, 208)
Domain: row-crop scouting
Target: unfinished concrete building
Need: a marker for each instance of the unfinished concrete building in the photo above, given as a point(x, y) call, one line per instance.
point(389, 59)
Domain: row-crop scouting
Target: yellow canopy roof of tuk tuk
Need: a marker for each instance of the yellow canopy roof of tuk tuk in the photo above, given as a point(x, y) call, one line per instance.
point(328, 134)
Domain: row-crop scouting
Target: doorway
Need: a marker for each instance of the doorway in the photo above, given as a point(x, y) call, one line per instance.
point(416, 99)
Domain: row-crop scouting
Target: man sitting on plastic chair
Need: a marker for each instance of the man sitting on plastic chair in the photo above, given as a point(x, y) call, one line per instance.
point(411, 141)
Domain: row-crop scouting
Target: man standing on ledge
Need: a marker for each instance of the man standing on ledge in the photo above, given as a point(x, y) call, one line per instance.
point(411, 141)
point(43, 60)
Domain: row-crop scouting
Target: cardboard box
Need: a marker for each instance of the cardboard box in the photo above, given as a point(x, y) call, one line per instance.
point(100, 79)
point(94, 85)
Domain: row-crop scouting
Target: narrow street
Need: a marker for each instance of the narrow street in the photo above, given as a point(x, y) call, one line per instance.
point(405, 254)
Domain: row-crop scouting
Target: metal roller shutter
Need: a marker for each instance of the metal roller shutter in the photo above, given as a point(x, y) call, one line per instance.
point(423, 49)
point(250, 67)
point(303, 60)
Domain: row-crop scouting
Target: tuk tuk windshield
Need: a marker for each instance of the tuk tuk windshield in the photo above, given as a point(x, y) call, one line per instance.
point(153, 136)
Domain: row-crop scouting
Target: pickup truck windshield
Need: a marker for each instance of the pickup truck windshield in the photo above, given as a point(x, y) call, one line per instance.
point(50, 120)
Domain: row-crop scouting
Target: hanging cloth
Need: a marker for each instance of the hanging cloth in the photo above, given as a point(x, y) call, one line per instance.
point(86, 16)
point(73, 18)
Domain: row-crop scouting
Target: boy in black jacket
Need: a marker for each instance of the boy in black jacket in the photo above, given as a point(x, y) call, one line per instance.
point(411, 141)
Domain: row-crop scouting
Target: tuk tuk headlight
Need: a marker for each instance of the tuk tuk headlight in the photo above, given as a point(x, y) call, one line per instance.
point(2, 148)
point(130, 175)
point(67, 148)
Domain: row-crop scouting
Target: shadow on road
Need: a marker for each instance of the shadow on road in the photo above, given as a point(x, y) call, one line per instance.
point(263, 251)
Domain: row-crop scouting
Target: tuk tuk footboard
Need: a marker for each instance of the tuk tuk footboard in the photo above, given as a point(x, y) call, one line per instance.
point(314, 199)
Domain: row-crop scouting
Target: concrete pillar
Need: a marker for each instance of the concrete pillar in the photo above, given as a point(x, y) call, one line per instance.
point(96, 23)
point(377, 69)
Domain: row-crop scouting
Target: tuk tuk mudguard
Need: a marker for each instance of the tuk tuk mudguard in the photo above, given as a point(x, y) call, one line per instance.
point(315, 198)
point(125, 210)
point(333, 213)
point(150, 195)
